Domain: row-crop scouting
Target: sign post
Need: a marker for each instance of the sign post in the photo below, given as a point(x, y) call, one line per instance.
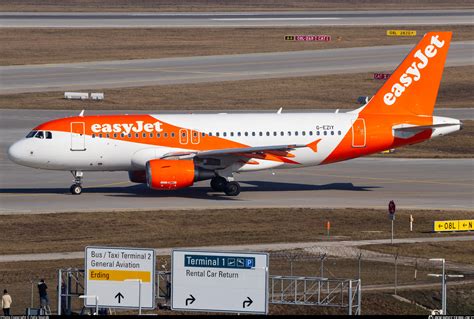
point(113, 275)
point(391, 211)
point(219, 281)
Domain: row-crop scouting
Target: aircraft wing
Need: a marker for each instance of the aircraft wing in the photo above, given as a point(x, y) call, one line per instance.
point(279, 150)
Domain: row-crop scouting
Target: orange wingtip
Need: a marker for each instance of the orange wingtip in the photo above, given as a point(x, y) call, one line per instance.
point(314, 145)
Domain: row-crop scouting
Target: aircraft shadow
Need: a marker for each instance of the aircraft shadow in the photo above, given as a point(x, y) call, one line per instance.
point(199, 192)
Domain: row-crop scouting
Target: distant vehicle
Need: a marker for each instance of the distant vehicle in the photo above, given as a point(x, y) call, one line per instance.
point(172, 151)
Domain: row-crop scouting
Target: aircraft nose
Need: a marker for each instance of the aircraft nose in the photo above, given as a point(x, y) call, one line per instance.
point(16, 153)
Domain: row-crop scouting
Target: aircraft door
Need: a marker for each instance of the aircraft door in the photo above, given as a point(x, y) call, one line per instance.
point(78, 137)
point(195, 137)
point(358, 133)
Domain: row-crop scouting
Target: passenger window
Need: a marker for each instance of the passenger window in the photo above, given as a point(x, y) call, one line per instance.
point(172, 134)
point(144, 134)
point(239, 134)
point(115, 135)
point(246, 133)
point(274, 133)
point(151, 135)
point(253, 133)
point(282, 133)
point(106, 135)
point(165, 135)
point(93, 135)
point(303, 133)
point(311, 133)
point(31, 134)
point(224, 134)
point(296, 133)
point(289, 133)
point(136, 135)
point(100, 135)
point(338, 132)
point(231, 133)
point(268, 133)
point(217, 133)
point(203, 134)
point(123, 135)
point(317, 133)
point(332, 132)
point(260, 133)
point(210, 134)
point(325, 133)
point(158, 135)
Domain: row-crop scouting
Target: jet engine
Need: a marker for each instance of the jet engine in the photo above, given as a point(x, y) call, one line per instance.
point(165, 174)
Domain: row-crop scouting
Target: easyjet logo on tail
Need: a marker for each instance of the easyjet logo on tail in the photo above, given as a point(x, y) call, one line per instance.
point(137, 127)
point(413, 72)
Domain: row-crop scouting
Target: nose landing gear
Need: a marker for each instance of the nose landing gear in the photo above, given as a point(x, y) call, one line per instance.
point(220, 184)
point(76, 188)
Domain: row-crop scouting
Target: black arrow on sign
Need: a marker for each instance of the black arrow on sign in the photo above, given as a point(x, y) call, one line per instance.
point(190, 301)
point(247, 303)
point(119, 296)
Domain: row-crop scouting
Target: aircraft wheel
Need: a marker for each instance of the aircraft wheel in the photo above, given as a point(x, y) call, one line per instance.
point(76, 189)
point(218, 183)
point(232, 189)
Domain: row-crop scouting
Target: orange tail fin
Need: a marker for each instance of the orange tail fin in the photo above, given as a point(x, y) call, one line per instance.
point(413, 86)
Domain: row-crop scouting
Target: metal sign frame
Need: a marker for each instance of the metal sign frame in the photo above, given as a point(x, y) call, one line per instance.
point(222, 252)
point(153, 278)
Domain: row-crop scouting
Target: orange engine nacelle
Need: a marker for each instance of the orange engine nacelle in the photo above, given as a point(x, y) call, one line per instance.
point(174, 174)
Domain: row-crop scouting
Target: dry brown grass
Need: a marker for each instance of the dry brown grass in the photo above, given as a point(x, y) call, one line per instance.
point(74, 231)
point(48, 45)
point(226, 5)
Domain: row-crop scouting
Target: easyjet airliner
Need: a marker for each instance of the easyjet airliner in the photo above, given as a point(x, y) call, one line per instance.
point(173, 151)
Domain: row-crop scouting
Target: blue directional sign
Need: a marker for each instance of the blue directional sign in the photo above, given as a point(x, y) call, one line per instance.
point(213, 261)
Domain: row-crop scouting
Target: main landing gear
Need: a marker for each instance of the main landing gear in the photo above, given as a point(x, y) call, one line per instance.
point(220, 184)
point(76, 188)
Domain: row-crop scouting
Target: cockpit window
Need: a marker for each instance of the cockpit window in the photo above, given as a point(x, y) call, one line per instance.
point(40, 134)
point(31, 134)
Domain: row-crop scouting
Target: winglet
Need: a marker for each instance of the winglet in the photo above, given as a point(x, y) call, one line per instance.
point(82, 113)
point(279, 110)
point(314, 145)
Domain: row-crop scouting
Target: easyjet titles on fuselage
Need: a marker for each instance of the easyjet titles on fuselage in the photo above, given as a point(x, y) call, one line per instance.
point(413, 73)
point(137, 127)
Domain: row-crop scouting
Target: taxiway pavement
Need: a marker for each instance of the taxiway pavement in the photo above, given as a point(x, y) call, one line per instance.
point(234, 19)
point(145, 72)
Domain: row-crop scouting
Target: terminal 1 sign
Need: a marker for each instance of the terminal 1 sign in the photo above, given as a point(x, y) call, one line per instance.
point(120, 277)
point(219, 281)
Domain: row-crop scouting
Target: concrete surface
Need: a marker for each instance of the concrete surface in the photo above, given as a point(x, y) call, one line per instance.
point(250, 247)
point(234, 19)
point(133, 73)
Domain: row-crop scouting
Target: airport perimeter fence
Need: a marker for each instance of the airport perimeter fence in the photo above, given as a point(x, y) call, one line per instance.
point(298, 273)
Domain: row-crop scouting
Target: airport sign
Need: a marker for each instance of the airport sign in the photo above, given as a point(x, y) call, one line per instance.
point(318, 38)
point(120, 277)
point(401, 33)
point(454, 225)
point(219, 281)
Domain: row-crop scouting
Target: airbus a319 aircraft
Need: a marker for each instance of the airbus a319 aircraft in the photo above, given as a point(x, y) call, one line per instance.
point(173, 151)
